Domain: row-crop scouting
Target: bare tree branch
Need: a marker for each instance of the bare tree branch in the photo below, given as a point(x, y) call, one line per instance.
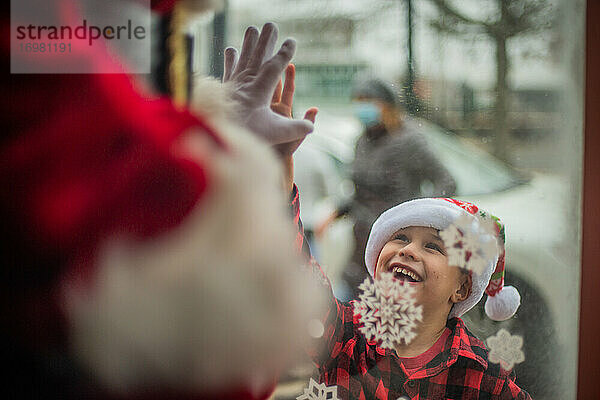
point(450, 11)
point(521, 17)
point(515, 17)
point(533, 18)
point(443, 25)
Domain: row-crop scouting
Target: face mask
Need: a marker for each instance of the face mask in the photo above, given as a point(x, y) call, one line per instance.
point(367, 113)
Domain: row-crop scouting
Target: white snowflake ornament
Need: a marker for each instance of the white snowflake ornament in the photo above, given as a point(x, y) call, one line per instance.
point(505, 349)
point(388, 310)
point(318, 391)
point(469, 244)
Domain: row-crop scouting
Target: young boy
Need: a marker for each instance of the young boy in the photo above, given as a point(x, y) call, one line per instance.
point(444, 360)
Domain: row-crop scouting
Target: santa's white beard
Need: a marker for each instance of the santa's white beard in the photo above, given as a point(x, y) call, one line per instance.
point(218, 302)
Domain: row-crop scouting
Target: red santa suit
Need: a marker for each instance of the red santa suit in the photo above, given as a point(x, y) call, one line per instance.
point(132, 269)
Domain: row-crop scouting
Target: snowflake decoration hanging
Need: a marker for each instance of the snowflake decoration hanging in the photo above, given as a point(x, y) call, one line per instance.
point(388, 310)
point(316, 391)
point(470, 244)
point(505, 349)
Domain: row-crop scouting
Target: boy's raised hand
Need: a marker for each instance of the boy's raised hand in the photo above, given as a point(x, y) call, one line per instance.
point(282, 103)
point(255, 76)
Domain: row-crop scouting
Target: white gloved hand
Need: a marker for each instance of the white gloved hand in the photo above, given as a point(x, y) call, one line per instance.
point(255, 76)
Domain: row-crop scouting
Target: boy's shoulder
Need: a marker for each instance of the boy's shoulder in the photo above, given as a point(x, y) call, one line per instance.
point(462, 349)
point(460, 366)
point(464, 343)
point(465, 348)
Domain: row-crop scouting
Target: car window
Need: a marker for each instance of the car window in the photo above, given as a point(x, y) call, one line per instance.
point(475, 171)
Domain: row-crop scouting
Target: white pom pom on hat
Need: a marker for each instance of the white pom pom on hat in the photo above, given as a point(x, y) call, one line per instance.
point(504, 304)
point(440, 213)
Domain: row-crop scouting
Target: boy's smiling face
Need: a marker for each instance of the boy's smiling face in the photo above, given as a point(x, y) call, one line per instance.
point(417, 255)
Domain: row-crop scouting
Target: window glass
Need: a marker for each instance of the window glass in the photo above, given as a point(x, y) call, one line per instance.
point(501, 111)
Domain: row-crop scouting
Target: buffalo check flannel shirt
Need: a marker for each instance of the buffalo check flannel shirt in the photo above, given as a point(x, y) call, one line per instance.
point(363, 370)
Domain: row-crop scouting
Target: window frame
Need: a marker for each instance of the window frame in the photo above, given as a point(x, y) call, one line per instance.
point(589, 324)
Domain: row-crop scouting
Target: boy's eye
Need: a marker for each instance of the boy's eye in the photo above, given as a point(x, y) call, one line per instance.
point(435, 246)
point(402, 237)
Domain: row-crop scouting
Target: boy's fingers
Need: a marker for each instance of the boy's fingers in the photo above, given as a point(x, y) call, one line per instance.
point(311, 114)
point(277, 93)
point(290, 85)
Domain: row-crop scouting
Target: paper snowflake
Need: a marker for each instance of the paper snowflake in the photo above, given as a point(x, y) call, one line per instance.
point(470, 244)
point(318, 391)
point(388, 310)
point(505, 349)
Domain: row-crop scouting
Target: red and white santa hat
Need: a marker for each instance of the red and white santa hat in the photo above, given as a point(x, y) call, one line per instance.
point(441, 213)
point(131, 239)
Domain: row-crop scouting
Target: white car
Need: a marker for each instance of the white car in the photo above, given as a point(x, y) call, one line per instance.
point(539, 260)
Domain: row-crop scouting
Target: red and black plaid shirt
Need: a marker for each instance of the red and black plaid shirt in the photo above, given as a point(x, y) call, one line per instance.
point(363, 370)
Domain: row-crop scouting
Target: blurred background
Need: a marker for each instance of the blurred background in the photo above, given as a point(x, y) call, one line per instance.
point(496, 87)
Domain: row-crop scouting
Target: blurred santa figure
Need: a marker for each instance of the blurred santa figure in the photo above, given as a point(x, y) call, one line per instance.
point(147, 247)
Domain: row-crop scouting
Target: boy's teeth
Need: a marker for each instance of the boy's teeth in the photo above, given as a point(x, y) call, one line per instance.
point(407, 272)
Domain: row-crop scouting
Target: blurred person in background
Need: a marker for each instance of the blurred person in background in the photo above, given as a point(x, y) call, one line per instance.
point(392, 164)
point(131, 267)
